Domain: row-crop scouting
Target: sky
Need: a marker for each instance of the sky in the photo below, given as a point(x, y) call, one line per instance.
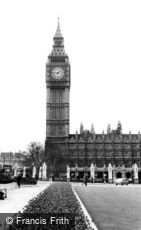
point(103, 42)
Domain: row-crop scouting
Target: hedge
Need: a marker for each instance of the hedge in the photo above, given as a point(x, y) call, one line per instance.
point(28, 180)
point(58, 198)
point(5, 179)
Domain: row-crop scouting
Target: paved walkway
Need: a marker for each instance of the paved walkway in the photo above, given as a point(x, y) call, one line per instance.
point(18, 198)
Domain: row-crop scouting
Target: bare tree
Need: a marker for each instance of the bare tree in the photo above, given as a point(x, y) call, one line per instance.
point(35, 154)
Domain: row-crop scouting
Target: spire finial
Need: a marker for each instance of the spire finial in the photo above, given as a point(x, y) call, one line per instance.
point(58, 20)
point(58, 31)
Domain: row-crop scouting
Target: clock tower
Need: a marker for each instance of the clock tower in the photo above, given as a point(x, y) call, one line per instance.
point(58, 90)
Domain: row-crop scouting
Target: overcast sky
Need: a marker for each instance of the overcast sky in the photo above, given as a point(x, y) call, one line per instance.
point(103, 41)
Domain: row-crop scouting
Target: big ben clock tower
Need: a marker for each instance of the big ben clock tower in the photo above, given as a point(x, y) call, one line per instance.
point(58, 88)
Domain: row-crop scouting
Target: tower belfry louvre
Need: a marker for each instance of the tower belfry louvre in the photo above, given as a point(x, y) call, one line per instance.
point(104, 156)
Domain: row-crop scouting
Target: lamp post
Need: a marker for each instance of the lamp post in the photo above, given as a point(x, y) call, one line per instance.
point(67, 151)
point(85, 176)
point(4, 160)
point(85, 159)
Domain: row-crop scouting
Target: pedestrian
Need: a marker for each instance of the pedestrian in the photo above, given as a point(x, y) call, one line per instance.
point(91, 180)
point(85, 180)
point(19, 178)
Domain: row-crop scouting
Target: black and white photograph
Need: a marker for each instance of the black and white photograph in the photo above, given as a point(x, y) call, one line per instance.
point(70, 115)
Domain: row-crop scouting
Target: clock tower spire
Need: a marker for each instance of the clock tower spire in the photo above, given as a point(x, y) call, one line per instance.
point(58, 33)
point(58, 49)
point(58, 90)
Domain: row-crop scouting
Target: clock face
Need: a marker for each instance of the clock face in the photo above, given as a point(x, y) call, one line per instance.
point(57, 73)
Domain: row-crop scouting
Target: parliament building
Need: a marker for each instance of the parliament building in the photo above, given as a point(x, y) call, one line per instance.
point(103, 157)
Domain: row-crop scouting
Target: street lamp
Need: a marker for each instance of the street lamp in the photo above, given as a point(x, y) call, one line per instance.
point(4, 160)
point(85, 159)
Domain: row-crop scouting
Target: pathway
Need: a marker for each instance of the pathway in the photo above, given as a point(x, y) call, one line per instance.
point(18, 198)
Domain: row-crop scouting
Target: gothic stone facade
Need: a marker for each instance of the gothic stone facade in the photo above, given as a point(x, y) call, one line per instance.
point(101, 156)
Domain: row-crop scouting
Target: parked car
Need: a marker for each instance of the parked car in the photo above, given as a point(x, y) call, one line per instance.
point(121, 181)
point(3, 194)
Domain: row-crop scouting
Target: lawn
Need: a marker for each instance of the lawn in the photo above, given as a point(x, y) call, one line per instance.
point(112, 207)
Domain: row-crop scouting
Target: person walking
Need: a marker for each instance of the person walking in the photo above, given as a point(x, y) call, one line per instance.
point(85, 180)
point(19, 178)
